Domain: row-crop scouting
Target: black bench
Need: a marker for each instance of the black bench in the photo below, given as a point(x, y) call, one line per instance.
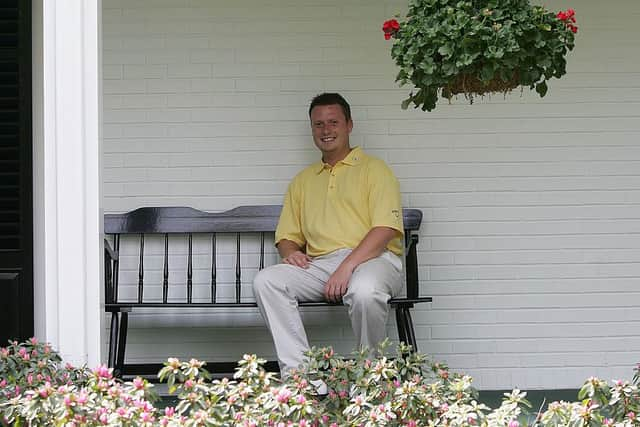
point(258, 221)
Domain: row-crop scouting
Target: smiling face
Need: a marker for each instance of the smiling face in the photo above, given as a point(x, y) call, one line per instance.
point(331, 129)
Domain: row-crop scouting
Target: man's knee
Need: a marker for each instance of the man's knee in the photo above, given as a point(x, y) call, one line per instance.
point(375, 278)
point(368, 289)
point(365, 295)
point(268, 279)
point(263, 280)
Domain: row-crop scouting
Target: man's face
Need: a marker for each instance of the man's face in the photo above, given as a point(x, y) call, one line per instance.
point(331, 130)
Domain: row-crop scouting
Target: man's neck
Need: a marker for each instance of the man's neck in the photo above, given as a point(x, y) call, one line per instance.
point(332, 160)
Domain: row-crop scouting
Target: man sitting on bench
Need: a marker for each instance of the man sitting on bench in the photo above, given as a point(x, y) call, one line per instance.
point(339, 236)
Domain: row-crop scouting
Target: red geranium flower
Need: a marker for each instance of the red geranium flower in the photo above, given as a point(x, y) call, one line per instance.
point(390, 27)
point(569, 18)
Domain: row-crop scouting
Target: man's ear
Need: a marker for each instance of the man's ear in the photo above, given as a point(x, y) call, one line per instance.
point(350, 125)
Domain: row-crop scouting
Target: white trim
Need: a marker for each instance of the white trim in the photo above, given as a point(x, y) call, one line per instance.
point(67, 177)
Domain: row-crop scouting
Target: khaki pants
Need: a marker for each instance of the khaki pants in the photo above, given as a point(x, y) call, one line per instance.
point(279, 288)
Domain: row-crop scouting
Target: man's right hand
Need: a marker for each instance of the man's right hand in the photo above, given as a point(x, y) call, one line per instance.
point(297, 258)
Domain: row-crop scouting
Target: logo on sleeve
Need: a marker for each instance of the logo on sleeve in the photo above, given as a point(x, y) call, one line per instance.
point(396, 213)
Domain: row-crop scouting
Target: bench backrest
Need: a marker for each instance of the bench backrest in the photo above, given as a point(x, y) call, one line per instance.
point(188, 221)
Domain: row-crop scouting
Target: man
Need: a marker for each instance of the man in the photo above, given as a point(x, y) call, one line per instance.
point(339, 236)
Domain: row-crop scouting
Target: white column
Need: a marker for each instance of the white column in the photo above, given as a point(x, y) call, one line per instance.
point(67, 177)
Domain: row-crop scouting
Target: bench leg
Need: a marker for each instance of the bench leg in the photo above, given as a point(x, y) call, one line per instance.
point(113, 338)
point(122, 343)
point(402, 332)
point(411, 334)
point(406, 333)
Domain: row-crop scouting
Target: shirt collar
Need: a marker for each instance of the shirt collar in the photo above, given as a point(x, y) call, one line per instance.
point(353, 158)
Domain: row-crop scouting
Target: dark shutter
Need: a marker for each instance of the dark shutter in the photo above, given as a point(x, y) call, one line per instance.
point(16, 217)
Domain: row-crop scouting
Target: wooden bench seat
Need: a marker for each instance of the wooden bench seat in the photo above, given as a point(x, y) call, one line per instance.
point(255, 223)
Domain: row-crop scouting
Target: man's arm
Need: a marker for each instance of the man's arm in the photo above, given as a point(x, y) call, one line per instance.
point(292, 254)
point(373, 244)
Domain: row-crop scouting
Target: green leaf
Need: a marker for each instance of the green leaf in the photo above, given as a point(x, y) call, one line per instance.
point(464, 60)
point(445, 50)
point(487, 72)
point(405, 103)
point(449, 69)
point(495, 52)
point(541, 88)
point(427, 66)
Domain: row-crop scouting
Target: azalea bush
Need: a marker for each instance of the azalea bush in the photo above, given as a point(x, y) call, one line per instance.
point(474, 47)
point(37, 389)
point(404, 390)
point(32, 364)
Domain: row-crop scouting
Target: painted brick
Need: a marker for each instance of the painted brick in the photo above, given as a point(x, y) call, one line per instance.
point(145, 71)
point(110, 72)
point(188, 71)
point(123, 86)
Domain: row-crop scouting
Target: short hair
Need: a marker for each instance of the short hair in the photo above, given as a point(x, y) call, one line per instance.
point(331, 99)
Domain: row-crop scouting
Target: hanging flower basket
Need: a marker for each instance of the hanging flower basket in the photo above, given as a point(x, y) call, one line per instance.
point(446, 48)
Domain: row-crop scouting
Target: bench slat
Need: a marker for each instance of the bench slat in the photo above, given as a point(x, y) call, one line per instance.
point(190, 271)
point(165, 270)
point(141, 270)
point(214, 273)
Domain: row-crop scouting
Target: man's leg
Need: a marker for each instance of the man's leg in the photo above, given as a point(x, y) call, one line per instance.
point(277, 290)
point(372, 284)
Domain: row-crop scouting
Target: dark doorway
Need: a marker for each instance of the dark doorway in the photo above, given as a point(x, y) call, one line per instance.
point(16, 213)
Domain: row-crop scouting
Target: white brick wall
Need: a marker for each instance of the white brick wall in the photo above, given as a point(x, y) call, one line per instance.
point(531, 239)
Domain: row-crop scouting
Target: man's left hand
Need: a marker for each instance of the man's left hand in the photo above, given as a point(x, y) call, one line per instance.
point(337, 285)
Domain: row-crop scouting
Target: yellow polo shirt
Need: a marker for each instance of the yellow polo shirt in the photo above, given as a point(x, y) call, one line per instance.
point(328, 208)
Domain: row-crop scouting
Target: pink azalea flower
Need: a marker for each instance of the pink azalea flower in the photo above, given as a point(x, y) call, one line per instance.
point(102, 372)
point(283, 395)
point(138, 383)
point(82, 398)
